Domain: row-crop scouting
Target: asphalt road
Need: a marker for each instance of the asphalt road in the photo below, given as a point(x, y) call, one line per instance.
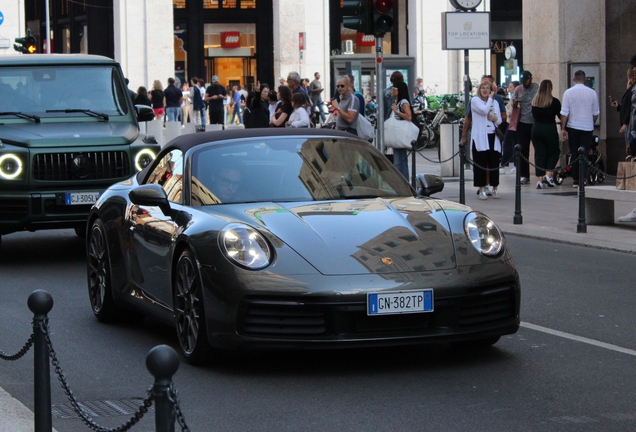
point(569, 368)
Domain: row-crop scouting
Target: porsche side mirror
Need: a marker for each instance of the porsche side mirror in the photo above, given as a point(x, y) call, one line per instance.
point(429, 184)
point(151, 195)
point(144, 113)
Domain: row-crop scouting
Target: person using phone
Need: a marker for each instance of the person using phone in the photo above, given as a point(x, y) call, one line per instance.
point(625, 108)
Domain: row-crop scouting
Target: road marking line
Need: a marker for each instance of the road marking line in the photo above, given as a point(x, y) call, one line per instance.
point(579, 338)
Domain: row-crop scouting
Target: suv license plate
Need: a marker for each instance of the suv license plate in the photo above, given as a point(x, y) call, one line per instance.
point(400, 302)
point(81, 198)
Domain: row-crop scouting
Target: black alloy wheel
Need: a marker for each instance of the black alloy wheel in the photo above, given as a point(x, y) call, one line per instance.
point(99, 275)
point(189, 312)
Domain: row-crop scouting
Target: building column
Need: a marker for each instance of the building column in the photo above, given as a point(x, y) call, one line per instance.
point(143, 46)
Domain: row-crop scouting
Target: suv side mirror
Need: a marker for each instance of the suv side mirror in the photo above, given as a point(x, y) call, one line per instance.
point(429, 184)
point(144, 113)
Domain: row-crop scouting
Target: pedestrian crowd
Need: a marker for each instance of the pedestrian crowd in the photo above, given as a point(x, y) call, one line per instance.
point(492, 127)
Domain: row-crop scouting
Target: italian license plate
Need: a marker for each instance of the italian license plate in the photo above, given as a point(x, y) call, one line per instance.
point(400, 302)
point(81, 198)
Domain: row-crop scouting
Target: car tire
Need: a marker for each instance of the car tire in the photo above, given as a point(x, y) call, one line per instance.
point(99, 275)
point(477, 343)
point(189, 311)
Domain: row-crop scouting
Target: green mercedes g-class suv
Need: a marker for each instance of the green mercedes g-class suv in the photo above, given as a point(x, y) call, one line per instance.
point(68, 130)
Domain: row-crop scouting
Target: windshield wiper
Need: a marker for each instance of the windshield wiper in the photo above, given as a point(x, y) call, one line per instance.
point(85, 111)
point(21, 115)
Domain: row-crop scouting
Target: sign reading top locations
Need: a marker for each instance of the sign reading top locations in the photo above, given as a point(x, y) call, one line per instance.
point(465, 30)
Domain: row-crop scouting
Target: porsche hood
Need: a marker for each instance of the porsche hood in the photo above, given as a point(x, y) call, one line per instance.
point(363, 236)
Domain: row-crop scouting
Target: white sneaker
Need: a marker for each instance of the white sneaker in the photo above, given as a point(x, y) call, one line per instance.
point(630, 217)
point(513, 170)
point(502, 170)
point(487, 191)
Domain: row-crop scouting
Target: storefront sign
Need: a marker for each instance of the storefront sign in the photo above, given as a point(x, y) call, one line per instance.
point(465, 30)
point(301, 41)
point(230, 39)
point(365, 40)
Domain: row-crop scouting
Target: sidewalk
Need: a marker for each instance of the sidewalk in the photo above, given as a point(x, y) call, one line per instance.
point(547, 214)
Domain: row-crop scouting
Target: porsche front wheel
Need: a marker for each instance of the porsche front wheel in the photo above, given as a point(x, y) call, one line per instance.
point(189, 311)
point(99, 275)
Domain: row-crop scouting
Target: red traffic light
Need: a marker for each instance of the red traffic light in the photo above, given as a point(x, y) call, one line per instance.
point(383, 6)
point(382, 17)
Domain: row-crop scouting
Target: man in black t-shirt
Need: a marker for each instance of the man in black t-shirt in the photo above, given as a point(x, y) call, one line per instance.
point(214, 96)
point(172, 100)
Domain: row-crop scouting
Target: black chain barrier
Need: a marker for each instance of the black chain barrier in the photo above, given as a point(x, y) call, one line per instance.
point(17, 356)
point(583, 159)
point(162, 362)
point(138, 415)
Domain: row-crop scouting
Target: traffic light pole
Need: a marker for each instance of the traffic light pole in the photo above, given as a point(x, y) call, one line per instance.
point(379, 137)
point(48, 28)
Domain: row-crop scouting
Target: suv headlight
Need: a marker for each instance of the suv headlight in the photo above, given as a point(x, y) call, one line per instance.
point(10, 166)
point(245, 246)
point(483, 234)
point(144, 158)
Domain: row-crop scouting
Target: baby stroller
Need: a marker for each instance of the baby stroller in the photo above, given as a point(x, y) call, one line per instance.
point(595, 173)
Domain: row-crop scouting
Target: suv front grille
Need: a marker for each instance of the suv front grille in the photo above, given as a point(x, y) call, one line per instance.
point(80, 166)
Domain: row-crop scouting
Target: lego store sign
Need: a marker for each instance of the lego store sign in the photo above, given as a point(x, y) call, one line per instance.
point(230, 39)
point(365, 40)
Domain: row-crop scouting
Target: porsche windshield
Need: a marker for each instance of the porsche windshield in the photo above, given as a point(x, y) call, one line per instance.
point(293, 169)
point(36, 90)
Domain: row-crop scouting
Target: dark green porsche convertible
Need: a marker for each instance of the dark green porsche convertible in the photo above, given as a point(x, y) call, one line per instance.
point(287, 238)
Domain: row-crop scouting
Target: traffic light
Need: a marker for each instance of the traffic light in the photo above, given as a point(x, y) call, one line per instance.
point(357, 15)
point(382, 17)
point(26, 44)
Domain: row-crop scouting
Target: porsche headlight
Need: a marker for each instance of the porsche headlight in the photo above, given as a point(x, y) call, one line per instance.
point(144, 158)
point(10, 166)
point(245, 246)
point(483, 234)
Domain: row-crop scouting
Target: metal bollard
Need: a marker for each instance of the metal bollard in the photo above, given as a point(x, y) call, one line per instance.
point(40, 303)
point(581, 227)
point(517, 219)
point(413, 168)
point(462, 163)
point(162, 362)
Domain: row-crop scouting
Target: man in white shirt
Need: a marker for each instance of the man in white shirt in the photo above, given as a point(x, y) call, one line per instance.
point(579, 113)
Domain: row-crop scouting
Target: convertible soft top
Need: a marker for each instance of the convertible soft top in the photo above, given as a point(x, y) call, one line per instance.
point(185, 142)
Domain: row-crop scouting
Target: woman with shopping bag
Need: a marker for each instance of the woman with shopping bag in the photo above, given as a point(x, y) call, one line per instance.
point(485, 145)
point(399, 131)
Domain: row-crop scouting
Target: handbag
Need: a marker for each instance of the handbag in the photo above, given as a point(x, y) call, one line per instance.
point(365, 128)
point(514, 118)
point(626, 176)
point(399, 134)
point(499, 133)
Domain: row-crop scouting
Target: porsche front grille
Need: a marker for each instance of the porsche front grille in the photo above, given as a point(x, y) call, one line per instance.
point(64, 166)
point(301, 319)
point(283, 320)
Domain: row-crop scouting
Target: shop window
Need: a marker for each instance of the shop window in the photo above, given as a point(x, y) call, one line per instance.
point(179, 4)
point(362, 44)
point(248, 4)
point(216, 4)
